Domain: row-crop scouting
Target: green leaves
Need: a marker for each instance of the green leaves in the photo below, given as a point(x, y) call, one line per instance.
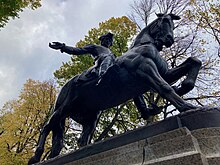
point(206, 14)
point(11, 8)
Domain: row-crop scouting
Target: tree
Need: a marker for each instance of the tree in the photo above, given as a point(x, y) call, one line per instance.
point(22, 119)
point(11, 9)
point(206, 14)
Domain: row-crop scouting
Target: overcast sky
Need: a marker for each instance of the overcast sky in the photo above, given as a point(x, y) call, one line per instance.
point(24, 51)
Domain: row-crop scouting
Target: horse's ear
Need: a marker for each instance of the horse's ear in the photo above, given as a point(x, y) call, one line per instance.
point(174, 17)
point(159, 15)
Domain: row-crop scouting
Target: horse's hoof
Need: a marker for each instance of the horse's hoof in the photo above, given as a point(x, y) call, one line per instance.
point(188, 84)
point(33, 160)
point(152, 111)
point(187, 107)
point(145, 116)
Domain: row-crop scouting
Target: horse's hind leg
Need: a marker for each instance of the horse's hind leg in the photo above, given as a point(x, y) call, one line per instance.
point(57, 139)
point(189, 68)
point(40, 149)
point(52, 123)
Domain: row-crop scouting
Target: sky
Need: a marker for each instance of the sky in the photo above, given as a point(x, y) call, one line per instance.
point(24, 51)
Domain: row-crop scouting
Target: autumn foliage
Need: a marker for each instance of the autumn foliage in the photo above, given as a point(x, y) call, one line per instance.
point(22, 119)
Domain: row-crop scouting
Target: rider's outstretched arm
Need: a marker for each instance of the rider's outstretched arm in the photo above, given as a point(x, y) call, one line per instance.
point(88, 49)
point(74, 50)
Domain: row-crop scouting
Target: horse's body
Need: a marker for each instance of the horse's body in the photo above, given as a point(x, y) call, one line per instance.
point(141, 68)
point(121, 83)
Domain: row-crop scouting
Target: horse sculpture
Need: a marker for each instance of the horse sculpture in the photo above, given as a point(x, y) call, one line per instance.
point(138, 70)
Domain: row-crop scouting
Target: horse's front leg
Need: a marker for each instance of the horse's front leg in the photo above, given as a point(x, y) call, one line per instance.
point(148, 72)
point(143, 110)
point(189, 68)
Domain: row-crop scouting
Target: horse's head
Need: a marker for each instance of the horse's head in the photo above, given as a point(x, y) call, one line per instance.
point(161, 30)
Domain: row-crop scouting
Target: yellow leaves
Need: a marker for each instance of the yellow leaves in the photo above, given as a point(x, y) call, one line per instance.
point(202, 41)
point(188, 14)
point(216, 93)
point(205, 14)
point(23, 119)
point(192, 2)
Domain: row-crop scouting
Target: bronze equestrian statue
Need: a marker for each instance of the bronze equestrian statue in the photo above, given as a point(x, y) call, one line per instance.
point(138, 70)
point(103, 59)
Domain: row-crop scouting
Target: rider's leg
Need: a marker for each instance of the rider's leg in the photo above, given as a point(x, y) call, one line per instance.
point(189, 68)
point(105, 64)
point(141, 107)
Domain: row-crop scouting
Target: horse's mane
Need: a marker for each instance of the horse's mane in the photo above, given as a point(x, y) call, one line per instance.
point(153, 25)
point(144, 36)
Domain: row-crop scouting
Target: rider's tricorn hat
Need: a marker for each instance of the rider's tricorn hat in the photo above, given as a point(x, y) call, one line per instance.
point(109, 35)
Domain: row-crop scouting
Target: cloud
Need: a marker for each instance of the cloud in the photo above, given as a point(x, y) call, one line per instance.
point(24, 51)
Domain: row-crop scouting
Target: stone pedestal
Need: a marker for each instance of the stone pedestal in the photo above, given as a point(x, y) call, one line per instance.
point(191, 138)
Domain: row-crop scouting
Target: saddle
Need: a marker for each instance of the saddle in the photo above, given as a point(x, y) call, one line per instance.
point(86, 76)
point(92, 74)
point(111, 75)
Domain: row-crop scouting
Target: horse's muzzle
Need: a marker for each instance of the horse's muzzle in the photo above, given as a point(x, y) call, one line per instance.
point(169, 41)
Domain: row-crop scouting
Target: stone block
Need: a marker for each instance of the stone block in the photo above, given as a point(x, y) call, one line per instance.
point(129, 158)
point(190, 138)
point(168, 135)
point(203, 117)
point(215, 160)
point(206, 132)
point(190, 158)
point(170, 143)
point(125, 155)
point(209, 141)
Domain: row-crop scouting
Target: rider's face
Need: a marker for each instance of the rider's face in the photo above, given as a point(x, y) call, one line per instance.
point(106, 41)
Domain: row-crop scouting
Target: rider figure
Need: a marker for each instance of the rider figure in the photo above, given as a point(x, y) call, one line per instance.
point(103, 57)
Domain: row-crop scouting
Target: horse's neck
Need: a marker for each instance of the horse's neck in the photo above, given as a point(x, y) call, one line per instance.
point(142, 38)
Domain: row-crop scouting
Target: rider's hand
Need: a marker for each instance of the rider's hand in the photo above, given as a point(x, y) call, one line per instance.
point(56, 45)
